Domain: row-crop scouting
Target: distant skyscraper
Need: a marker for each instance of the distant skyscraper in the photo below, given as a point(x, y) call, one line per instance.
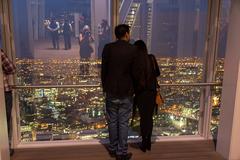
point(23, 30)
point(191, 28)
point(224, 19)
point(165, 28)
point(202, 24)
point(186, 28)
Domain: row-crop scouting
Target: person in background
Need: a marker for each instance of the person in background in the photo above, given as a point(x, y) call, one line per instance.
point(85, 40)
point(67, 32)
point(104, 36)
point(120, 69)
point(146, 99)
point(54, 27)
point(8, 69)
point(86, 49)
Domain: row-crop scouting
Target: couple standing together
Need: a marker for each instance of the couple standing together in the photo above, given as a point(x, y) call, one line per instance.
point(128, 70)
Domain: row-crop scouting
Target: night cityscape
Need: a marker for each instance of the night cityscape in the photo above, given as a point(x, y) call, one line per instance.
point(78, 113)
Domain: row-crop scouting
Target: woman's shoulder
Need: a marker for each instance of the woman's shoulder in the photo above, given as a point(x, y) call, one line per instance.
point(151, 56)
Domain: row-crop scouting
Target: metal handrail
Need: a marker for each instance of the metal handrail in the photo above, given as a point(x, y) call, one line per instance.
point(121, 5)
point(193, 84)
point(98, 85)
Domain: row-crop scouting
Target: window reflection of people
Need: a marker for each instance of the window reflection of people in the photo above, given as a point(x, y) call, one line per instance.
point(67, 31)
point(8, 69)
point(145, 99)
point(54, 27)
point(86, 48)
point(85, 40)
point(104, 36)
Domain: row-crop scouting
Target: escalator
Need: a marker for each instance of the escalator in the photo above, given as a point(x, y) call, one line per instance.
point(124, 9)
point(130, 14)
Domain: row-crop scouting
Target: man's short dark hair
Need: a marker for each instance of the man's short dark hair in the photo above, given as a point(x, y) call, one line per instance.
point(121, 30)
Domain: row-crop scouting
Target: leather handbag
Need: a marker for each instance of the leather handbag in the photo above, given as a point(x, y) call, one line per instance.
point(159, 99)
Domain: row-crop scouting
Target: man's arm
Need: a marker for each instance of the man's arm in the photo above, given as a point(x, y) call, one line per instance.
point(70, 27)
point(49, 28)
point(80, 38)
point(7, 65)
point(104, 66)
point(58, 27)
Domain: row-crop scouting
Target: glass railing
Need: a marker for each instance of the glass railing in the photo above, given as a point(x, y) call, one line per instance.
point(61, 113)
point(76, 112)
point(180, 113)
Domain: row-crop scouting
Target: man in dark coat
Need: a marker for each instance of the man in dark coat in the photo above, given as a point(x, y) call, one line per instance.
point(120, 71)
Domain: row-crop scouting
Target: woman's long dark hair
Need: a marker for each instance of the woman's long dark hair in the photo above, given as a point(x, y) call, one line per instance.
point(140, 44)
point(143, 53)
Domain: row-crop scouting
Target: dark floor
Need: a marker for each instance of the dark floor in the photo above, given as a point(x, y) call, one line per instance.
point(43, 49)
point(182, 150)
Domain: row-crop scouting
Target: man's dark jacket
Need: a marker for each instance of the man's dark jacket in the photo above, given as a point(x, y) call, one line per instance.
point(121, 69)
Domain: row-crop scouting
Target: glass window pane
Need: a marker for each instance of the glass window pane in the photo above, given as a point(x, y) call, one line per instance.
point(60, 42)
point(180, 114)
point(174, 31)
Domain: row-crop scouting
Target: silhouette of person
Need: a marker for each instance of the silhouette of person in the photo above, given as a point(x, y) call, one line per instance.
point(67, 31)
point(104, 36)
point(145, 99)
point(85, 40)
point(54, 28)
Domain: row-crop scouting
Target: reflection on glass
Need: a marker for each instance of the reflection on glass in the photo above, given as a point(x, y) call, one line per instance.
point(174, 32)
point(61, 29)
point(171, 28)
point(60, 42)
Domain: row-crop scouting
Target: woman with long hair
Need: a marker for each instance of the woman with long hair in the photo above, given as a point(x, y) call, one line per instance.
point(146, 98)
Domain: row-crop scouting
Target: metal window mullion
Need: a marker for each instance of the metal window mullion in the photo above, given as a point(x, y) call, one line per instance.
point(210, 60)
point(115, 15)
